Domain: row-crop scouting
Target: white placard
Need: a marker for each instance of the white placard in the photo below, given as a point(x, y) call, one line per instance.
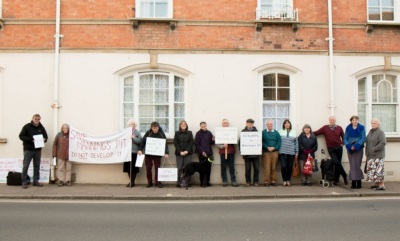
point(38, 140)
point(139, 160)
point(168, 174)
point(113, 148)
point(226, 135)
point(250, 143)
point(16, 164)
point(155, 146)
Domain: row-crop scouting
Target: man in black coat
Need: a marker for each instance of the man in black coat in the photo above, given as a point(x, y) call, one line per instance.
point(32, 130)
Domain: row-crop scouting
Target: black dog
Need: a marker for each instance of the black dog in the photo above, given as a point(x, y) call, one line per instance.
point(192, 168)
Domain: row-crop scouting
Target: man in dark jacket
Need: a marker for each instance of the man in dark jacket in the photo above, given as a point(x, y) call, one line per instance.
point(32, 130)
point(250, 160)
point(154, 132)
point(203, 141)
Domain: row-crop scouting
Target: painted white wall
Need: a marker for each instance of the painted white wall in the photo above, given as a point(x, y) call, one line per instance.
point(220, 85)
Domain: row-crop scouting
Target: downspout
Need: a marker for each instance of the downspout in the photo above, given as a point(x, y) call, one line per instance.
point(330, 40)
point(57, 37)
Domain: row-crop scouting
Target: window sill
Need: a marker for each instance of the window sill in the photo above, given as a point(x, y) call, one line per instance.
point(261, 22)
point(393, 139)
point(3, 140)
point(170, 21)
point(369, 27)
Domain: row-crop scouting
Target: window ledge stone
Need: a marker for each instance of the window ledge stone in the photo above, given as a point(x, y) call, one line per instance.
point(369, 26)
point(261, 22)
point(170, 21)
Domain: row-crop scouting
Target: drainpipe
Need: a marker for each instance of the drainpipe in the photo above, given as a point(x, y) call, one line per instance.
point(330, 40)
point(57, 37)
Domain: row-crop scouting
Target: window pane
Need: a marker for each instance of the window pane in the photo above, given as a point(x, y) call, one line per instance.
point(269, 94)
point(373, 2)
point(145, 124)
point(269, 110)
point(362, 91)
point(146, 96)
point(384, 92)
point(146, 111)
point(362, 113)
point(161, 10)
point(283, 94)
point(161, 110)
point(161, 96)
point(387, 114)
point(269, 80)
point(164, 123)
point(128, 110)
point(128, 81)
point(161, 81)
point(282, 110)
point(388, 14)
point(179, 110)
point(374, 14)
point(147, 8)
point(387, 3)
point(146, 81)
point(128, 94)
point(283, 80)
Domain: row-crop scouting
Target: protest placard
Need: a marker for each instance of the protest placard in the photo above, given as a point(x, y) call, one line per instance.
point(226, 135)
point(16, 164)
point(155, 146)
point(250, 143)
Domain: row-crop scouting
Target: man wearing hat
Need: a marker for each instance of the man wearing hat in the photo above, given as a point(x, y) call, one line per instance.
point(250, 160)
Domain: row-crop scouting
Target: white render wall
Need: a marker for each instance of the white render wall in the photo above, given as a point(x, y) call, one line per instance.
point(220, 85)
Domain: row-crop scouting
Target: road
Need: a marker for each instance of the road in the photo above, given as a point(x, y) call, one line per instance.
point(281, 220)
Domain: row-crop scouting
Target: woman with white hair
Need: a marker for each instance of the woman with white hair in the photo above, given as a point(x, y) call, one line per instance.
point(129, 167)
point(375, 152)
point(60, 151)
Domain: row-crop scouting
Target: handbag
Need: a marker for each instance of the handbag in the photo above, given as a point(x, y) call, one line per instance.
point(295, 169)
point(307, 166)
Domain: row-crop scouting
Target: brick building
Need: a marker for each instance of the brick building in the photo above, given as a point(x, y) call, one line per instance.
point(97, 63)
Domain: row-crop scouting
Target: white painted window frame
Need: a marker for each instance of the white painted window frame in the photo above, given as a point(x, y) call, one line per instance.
point(139, 14)
point(396, 13)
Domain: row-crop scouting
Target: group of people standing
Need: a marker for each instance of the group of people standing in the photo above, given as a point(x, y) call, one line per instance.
point(283, 145)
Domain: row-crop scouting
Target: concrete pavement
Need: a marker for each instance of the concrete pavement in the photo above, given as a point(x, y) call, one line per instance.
point(170, 192)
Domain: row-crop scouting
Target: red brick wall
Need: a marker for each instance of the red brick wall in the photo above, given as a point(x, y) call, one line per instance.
point(155, 35)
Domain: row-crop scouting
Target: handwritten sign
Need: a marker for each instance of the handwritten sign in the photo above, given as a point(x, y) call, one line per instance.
point(168, 174)
point(16, 164)
point(155, 146)
point(226, 135)
point(250, 143)
point(114, 148)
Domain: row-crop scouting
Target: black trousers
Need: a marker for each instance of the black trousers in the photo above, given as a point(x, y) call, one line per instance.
point(336, 154)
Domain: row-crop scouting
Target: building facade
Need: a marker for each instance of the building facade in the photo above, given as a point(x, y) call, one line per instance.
point(97, 63)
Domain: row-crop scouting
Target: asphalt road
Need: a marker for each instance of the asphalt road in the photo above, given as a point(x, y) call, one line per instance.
point(289, 219)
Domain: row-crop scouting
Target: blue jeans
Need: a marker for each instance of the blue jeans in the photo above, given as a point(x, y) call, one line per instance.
point(286, 166)
point(256, 167)
point(28, 156)
point(231, 163)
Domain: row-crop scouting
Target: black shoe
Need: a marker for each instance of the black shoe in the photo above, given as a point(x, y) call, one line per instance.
point(304, 184)
point(380, 188)
point(373, 186)
point(61, 184)
point(159, 185)
point(36, 184)
point(209, 185)
point(24, 186)
point(149, 185)
point(309, 184)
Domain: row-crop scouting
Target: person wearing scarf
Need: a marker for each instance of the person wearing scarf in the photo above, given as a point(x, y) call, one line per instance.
point(354, 139)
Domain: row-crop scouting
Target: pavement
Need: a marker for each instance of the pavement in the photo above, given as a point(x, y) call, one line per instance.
point(171, 192)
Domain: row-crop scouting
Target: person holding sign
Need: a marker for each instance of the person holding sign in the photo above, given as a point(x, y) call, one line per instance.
point(154, 132)
point(29, 135)
point(271, 142)
point(130, 167)
point(183, 142)
point(227, 154)
point(60, 151)
point(250, 160)
point(203, 141)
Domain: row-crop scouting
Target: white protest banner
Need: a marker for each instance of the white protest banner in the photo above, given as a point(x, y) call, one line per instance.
point(250, 143)
point(226, 135)
point(155, 146)
point(168, 174)
point(113, 148)
point(16, 164)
